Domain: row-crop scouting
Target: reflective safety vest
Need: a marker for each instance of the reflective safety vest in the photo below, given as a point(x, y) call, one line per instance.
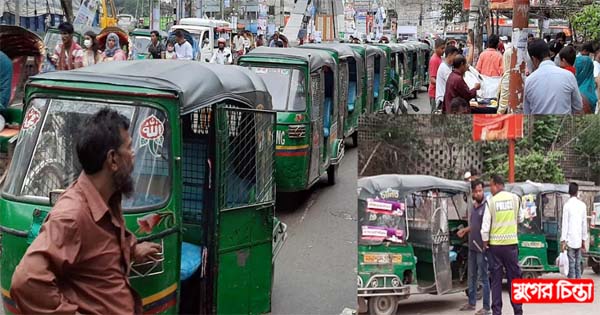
point(504, 211)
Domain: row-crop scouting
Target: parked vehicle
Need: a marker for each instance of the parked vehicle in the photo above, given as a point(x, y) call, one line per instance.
point(373, 65)
point(206, 33)
point(407, 227)
point(310, 139)
point(351, 73)
point(539, 229)
point(203, 173)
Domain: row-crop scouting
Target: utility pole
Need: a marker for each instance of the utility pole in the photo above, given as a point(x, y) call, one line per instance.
point(18, 13)
point(517, 70)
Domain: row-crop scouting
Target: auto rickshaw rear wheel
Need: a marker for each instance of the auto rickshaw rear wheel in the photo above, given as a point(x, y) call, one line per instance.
point(595, 265)
point(383, 305)
point(331, 174)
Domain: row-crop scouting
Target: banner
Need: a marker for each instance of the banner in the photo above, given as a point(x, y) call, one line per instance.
point(87, 13)
point(497, 127)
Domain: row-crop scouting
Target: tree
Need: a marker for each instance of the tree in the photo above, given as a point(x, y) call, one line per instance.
point(587, 22)
point(452, 9)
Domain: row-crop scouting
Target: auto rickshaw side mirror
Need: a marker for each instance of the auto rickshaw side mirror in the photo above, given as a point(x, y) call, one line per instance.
point(54, 195)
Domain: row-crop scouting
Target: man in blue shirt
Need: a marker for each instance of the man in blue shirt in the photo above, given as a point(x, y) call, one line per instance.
point(549, 90)
point(6, 73)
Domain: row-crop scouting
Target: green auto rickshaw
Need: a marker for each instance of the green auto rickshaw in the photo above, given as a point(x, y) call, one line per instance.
point(423, 56)
point(413, 65)
point(139, 41)
point(539, 228)
point(381, 75)
point(407, 227)
point(203, 173)
point(351, 73)
point(371, 86)
point(593, 252)
point(309, 139)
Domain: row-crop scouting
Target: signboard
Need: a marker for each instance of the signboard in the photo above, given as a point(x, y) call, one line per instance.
point(497, 127)
point(508, 4)
point(87, 13)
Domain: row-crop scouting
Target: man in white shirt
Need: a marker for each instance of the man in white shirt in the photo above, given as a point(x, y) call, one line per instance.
point(443, 73)
point(222, 55)
point(574, 231)
point(183, 49)
point(238, 43)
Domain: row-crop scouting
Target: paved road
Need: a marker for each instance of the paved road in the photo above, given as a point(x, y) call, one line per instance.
point(422, 102)
point(315, 272)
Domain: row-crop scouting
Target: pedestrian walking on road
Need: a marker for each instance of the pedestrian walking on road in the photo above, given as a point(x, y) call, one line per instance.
point(434, 65)
point(574, 231)
point(499, 235)
point(68, 55)
point(477, 262)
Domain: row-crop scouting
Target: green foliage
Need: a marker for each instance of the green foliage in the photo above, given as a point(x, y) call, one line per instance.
point(587, 22)
point(534, 159)
point(588, 142)
point(534, 166)
point(452, 9)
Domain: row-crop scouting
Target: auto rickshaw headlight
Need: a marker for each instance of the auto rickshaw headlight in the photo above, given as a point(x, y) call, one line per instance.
point(374, 283)
point(359, 282)
point(396, 282)
point(296, 131)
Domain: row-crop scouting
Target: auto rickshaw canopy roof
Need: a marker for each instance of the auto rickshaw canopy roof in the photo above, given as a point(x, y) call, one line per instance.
point(531, 188)
point(343, 50)
point(396, 48)
point(418, 45)
point(196, 84)
point(16, 41)
point(406, 184)
point(316, 59)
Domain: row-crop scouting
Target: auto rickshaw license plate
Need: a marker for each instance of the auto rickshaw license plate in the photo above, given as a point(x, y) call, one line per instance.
point(382, 259)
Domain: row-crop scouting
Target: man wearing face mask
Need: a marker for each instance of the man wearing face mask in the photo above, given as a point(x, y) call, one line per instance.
point(68, 55)
point(222, 56)
point(80, 261)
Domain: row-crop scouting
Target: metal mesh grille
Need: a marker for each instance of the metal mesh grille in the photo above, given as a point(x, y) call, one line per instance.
point(195, 128)
point(246, 151)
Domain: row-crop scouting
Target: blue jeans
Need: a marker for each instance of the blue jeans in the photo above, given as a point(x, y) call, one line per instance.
point(478, 270)
point(574, 255)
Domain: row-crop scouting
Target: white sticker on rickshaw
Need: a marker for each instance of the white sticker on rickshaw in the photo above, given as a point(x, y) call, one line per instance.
point(151, 134)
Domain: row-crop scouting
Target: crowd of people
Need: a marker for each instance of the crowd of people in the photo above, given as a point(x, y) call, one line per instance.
point(560, 78)
point(493, 241)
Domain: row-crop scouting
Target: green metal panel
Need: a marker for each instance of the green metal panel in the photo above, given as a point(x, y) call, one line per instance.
point(244, 210)
point(18, 216)
point(407, 263)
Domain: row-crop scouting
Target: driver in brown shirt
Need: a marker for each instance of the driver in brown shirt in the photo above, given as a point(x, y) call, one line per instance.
point(80, 261)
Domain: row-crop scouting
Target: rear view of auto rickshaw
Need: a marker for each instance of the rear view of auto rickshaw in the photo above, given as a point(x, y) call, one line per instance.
point(539, 228)
point(203, 173)
point(309, 138)
point(351, 73)
point(372, 56)
point(407, 239)
point(593, 252)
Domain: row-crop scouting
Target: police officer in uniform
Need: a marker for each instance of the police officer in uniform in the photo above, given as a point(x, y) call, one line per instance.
point(499, 234)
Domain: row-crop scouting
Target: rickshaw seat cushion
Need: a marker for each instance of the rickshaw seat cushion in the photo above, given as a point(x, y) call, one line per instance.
point(327, 119)
point(191, 260)
point(351, 95)
point(376, 87)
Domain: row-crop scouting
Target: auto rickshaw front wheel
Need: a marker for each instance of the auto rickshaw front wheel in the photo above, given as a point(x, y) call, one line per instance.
point(331, 174)
point(595, 265)
point(383, 305)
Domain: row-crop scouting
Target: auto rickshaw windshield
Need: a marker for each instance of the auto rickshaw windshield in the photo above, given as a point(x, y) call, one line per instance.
point(382, 220)
point(140, 43)
point(287, 87)
point(45, 157)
